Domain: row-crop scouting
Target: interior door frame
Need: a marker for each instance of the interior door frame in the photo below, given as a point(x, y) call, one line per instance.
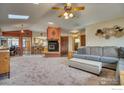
point(67, 44)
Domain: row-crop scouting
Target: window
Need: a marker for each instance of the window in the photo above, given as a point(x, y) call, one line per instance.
point(13, 42)
point(24, 43)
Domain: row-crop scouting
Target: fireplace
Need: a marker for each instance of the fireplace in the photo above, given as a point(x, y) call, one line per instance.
point(53, 37)
point(53, 46)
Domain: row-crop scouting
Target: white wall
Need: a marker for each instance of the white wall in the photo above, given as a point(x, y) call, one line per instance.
point(92, 40)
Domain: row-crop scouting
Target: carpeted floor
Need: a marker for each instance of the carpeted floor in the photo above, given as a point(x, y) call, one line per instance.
point(38, 70)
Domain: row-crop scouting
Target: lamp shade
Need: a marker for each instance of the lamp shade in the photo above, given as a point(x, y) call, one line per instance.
point(77, 40)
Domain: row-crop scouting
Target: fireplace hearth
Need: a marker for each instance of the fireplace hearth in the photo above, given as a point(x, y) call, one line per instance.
point(53, 46)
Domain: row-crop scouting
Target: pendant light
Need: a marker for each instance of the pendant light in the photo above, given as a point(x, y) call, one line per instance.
point(22, 31)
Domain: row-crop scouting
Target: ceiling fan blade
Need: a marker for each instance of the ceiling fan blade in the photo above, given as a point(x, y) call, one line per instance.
point(78, 8)
point(57, 8)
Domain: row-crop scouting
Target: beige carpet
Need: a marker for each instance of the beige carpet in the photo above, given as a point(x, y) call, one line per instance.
point(38, 70)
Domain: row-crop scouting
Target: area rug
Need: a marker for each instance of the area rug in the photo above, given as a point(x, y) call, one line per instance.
point(38, 70)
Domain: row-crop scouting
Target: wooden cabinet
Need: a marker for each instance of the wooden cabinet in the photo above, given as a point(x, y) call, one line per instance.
point(83, 40)
point(4, 62)
point(122, 77)
point(64, 45)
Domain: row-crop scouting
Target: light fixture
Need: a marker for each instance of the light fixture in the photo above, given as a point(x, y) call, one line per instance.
point(13, 16)
point(66, 17)
point(77, 40)
point(50, 23)
point(22, 31)
point(65, 14)
point(71, 15)
point(69, 10)
point(74, 31)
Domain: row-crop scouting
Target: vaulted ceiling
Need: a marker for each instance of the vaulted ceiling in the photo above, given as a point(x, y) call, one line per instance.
point(41, 14)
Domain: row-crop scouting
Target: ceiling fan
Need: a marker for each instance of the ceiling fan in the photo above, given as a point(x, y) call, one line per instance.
point(68, 10)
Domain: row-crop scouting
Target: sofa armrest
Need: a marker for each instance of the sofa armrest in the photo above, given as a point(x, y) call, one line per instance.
point(121, 61)
point(119, 70)
point(122, 77)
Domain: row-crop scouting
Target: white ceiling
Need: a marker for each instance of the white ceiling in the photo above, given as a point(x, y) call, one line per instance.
point(41, 14)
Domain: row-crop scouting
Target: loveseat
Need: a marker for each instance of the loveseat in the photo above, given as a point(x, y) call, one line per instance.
point(110, 56)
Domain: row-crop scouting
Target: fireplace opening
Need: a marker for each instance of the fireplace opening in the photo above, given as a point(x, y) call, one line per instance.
point(53, 46)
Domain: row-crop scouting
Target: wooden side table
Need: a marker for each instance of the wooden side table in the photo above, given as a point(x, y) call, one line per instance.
point(4, 63)
point(70, 54)
point(122, 77)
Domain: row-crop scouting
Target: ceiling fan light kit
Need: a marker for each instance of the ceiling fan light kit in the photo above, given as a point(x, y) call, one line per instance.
point(22, 31)
point(68, 15)
point(68, 10)
point(65, 14)
point(71, 15)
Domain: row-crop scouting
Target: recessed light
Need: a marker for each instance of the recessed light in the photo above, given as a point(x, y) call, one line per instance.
point(13, 16)
point(50, 23)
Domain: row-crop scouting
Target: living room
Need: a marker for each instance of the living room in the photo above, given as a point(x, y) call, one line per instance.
point(64, 44)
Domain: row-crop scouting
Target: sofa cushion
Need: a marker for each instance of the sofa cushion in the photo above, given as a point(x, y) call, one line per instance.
point(121, 52)
point(88, 50)
point(79, 56)
point(93, 57)
point(110, 51)
point(81, 51)
point(96, 51)
point(109, 59)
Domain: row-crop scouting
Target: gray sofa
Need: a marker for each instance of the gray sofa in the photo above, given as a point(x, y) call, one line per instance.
point(110, 56)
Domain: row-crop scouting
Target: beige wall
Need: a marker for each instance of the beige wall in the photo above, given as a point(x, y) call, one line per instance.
point(92, 40)
point(70, 44)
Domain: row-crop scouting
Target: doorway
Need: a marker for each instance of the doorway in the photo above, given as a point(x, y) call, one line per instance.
point(83, 40)
point(64, 45)
point(79, 41)
point(26, 45)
